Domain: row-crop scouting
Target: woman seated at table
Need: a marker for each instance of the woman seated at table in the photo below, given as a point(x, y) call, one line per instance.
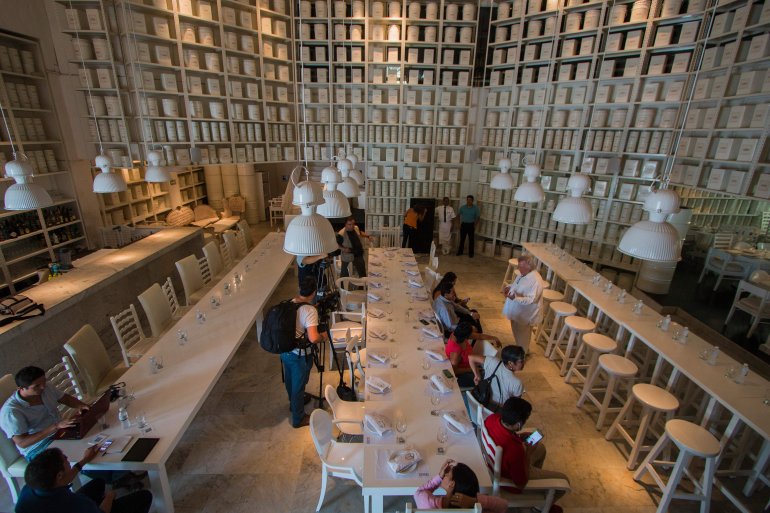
point(458, 349)
point(462, 491)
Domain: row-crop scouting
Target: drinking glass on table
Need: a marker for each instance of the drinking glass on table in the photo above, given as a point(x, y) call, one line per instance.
point(401, 427)
point(181, 336)
point(442, 437)
point(426, 363)
point(435, 398)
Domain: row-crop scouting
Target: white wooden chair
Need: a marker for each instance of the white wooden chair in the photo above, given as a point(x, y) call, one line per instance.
point(203, 264)
point(133, 343)
point(345, 325)
point(276, 210)
point(756, 303)
point(94, 369)
point(343, 460)
point(350, 297)
point(232, 244)
point(432, 251)
point(227, 257)
point(348, 416)
point(173, 300)
point(390, 236)
point(214, 258)
point(243, 226)
point(725, 266)
point(157, 309)
point(539, 493)
point(12, 464)
point(192, 279)
point(243, 246)
point(62, 377)
point(431, 278)
point(356, 357)
point(723, 240)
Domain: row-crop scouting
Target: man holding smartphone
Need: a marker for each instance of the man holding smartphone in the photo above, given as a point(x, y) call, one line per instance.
point(523, 454)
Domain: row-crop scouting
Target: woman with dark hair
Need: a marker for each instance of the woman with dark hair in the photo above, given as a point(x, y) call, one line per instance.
point(458, 349)
point(413, 216)
point(462, 491)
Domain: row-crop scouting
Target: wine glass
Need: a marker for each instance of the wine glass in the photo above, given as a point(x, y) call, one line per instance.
point(181, 336)
point(435, 398)
point(401, 428)
point(200, 316)
point(426, 363)
point(442, 436)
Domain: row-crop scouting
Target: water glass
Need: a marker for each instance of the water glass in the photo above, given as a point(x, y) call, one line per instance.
point(435, 399)
point(215, 302)
point(200, 316)
point(141, 423)
point(426, 363)
point(227, 288)
point(156, 364)
point(181, 336)
point(442, 437)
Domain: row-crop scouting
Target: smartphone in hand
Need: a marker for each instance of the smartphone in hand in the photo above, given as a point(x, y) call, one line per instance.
point(534, 437)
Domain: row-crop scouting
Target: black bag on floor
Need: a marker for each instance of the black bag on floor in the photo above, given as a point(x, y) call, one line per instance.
point(483, 391)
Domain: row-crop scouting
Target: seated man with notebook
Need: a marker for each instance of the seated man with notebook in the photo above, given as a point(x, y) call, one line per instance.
point(48, 477)
point(30, 417)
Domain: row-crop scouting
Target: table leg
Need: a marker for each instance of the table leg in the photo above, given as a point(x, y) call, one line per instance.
point(161, 490)
point(260, 318)
point(757, 469)
point(376, 501)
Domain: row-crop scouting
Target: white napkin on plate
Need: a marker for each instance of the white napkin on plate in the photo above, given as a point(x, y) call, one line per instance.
point(375, 274)
point(439, 382)
point(404, 460)
point(409, 263)
point(425, 314)
point(375, 284)
point(377, 333)
point(389, 254)
point(432, 332)
point(378, 423)
point(437, 354)
point(412, 273)
point(373, 297)
point(415, 284)
point(375, 263)
point(457, 421)
point(380, 358)
point(420, 295)
point(376, 313)
point(377, 385)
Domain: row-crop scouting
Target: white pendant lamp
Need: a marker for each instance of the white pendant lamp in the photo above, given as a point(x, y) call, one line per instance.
point(503, 181)
point(24, 194)
point(355, 174)
point(336, 204)
point(308, 233)
point(574, 209)
point(348, 186)
point(655, 239)
point(155, 173)
point(530, 191)
point(107, 181)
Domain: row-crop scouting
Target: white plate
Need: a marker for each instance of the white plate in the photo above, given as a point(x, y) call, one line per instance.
point(374, 391)
point(436, 389)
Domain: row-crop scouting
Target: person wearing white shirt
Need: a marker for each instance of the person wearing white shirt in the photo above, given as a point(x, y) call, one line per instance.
point(504, 384)
point(446, 216)
point(524, 302)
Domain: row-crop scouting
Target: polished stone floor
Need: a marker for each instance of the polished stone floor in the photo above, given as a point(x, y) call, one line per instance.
point(241, 455)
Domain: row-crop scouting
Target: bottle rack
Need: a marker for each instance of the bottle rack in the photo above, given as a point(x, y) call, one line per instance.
point(29, 239)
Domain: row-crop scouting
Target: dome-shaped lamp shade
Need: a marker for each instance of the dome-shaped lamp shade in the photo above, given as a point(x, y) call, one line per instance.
point(156, 174)
point(505, 164)
point(502, 181)
point(308, 193)
point(572, 210)
point(353, 160)
point(19, 167)
point(309, 234)
point(649, 240)
point(330, 175)
point(349, 188)
point(107, 181)
point(26, 195)
point(662, 201)
point(154, 157)
point(529, 192)
point(336, 205)
point(357, 176)
point(344, 165)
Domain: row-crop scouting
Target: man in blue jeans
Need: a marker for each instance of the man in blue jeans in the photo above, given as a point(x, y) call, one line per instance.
point(298, 363)
point(470, 215)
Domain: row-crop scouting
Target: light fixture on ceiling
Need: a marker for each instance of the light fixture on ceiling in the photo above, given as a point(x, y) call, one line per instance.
point(348, 186)
point(503, 180)
point(24, 194)
point(574, 209)
point(154, 172)
point(654, 239)
point(308, 233)
point(530, 191)
point(355, 174)
point(335, 203)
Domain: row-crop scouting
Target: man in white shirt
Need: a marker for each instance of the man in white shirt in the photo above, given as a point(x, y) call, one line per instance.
point(446, 216)
point(524, 302)
point(504, 384)
point(298, 363)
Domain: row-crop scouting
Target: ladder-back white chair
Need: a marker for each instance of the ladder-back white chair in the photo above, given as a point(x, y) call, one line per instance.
point(94, 369)
point(243, 246)
point(173, 302)
point(390, 236)
point(756, 303)
point(133, 343)
point(723, 240)
point(277, 210)
point(62, 377)
point(192, 279)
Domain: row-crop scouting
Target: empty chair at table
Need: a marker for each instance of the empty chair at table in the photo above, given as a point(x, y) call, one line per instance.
point(348, 415)
point(193, 280)
point(94, 369)
point(725, 266)
point(133, 343)
point(753, 299)
point(352, 293)
point(390, 237)
point(243, 226)
point(161, 307)
point(214, 258)
point(231, 242)
point(345, 325)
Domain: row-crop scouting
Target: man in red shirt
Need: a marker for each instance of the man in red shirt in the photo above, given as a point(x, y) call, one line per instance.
point(521, 461)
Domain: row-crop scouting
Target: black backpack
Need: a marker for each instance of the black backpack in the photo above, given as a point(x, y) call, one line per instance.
point(279, 333)
point(483, 391)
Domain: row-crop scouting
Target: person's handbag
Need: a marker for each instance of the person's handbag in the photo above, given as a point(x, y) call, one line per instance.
point(19, 307)
point(483, 391)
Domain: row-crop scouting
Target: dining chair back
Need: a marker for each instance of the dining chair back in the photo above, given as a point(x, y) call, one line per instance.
point(725, 266)
point(753, 299)
point(214, 258)
point(723, 240)
point(431, 278)
point(243, 246)
point(348, 415)
point(94, 369)
point(277, 211)
point(343, 326)
point(192, 279)
point(243, 226)
point(390, 236)
point(232, 244)
point(61, 377)
point(133, 343)
point(173, 302)
point(432, 254)
point(157, 308)
point(12, 464)
point(357, 359)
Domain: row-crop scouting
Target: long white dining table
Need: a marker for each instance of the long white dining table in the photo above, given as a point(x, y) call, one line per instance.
point(170, 398)
point(410, 394)
point(746, 402)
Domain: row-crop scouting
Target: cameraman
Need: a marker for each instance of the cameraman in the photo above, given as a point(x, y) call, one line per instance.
point(298, 363)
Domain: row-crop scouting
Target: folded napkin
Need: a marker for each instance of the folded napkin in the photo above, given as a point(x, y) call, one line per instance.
point(375, 284)
point(404, 461)
point(457, 421)
point(425, 314)
point(375, 274)
point(437, 354)
point(380, 358)
point(389, 254)
point(376, 313)
point(412, 273)
point(409, 263)
point(415, 284)
point(440, 383)
point(421, 295)
point(378, 423)
point(375, 263)
point(373, 297)
point(392, 248)
point(432, 332)
point(377, 333)
point(377, 385)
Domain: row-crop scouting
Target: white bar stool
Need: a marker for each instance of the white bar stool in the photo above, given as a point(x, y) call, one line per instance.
point(575, 326)
point(549, 296)
point(557, 311)
point(654, 401)
point(513, 266)
point(616, 367)
point(591, 346)
point(691, 440)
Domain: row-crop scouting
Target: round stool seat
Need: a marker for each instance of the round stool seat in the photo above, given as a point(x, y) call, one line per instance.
point(599, 343)
point(552, 295)
point(514, 261)
point(655, 397)
point(692, 438)
point(617, 365)
point(562, 309)
point(579, 324)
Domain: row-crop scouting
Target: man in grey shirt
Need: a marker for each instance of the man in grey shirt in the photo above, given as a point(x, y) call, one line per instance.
point(504, 384)
point(30, 417)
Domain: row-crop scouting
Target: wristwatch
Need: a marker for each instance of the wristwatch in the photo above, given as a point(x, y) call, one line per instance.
point(78, 466)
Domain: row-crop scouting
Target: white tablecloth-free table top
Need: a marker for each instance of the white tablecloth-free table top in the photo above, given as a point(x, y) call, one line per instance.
point(410, 395)
point(171, 398)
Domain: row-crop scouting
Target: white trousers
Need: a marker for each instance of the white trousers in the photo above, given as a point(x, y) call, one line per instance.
point(522, 333)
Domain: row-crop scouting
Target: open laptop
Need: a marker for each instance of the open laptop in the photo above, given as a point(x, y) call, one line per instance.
point(86, 420)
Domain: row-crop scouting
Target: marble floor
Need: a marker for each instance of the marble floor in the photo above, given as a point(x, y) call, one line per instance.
point(241, 455)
